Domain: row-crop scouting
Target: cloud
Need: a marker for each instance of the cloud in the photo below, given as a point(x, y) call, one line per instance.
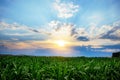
point(8, 31)
point(18, 34)
point(97, 46)
point(113, 33)
point(67, 31)
point(65, 10)
point(56, 30)
point(15, 26)
point(92, 34)
point(82, 38)
point(95, 32)
point(3, 47)
point(59, 30)
point(96, 42)
point(109, 50)
point(14, 39)
point(106, 48)
point(28, 29)
point(116, 33)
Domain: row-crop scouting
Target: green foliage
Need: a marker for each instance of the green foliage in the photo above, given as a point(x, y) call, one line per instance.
point(58, 68)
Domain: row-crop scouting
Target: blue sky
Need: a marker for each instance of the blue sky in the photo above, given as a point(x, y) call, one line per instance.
point(38, 27)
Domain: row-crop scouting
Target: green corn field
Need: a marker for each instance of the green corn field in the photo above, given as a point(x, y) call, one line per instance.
point(58, 68)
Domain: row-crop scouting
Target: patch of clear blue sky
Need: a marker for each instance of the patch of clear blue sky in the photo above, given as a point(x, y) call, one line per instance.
point(28, 12)
point(107, 10)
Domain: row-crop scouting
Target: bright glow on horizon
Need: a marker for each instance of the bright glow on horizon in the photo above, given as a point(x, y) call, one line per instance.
point(61, 43)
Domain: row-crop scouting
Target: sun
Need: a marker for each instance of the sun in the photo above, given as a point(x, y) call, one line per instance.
point(61, 43)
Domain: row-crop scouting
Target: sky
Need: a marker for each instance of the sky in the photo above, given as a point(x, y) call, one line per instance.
point(88, 28)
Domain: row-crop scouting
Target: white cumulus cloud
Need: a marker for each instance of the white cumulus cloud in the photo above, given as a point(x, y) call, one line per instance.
point(65, 10)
